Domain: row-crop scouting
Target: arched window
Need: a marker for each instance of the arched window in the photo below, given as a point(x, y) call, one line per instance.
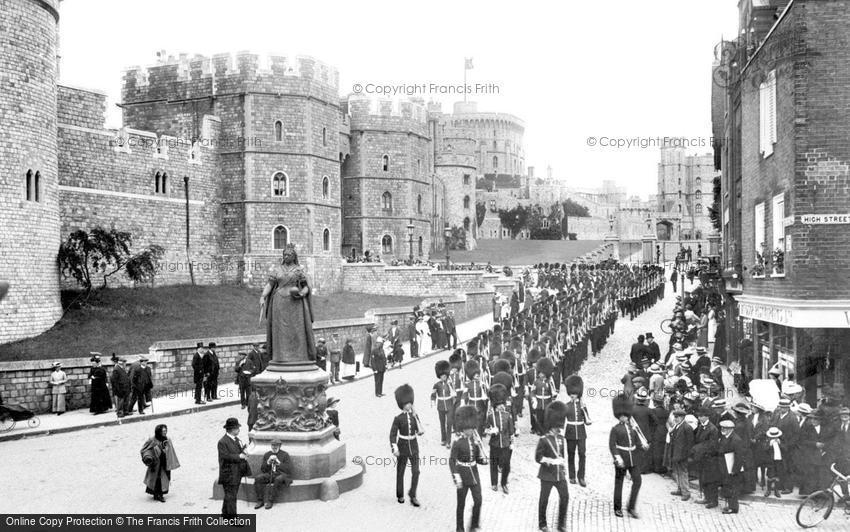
point(698, 195)
point(387, 202)
point(418, 166)
point(419, 203)
point(281, 237)
point(387, 245)
point(385, 163)
point(494, 144)
point(698, 208)
point(324, 136)
point(326, 240)
point(326, 187)
point(280, 185)
point(158, 182)
point(495, 163)
point(278, 131)
point(420, 246)
point(698, 234)
point(680, 207)
point(699, 182)
point(29, 186)
point(466, 224)
point(466, 202)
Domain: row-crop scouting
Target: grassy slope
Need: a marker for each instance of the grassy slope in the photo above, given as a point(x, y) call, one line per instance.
point(128, 321)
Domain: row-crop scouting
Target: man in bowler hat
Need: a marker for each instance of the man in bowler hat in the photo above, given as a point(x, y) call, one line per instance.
point(232, 465)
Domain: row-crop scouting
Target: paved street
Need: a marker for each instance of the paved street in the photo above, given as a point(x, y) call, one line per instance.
point(99, 469)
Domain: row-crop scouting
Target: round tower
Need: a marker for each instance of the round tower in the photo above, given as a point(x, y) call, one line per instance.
point(455, 165)
point(29, 212)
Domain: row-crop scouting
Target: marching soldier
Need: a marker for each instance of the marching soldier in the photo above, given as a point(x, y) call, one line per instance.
point(623, 443)
point(443, 395)
point(574, 431)
point(403, 441)
point(500, 427)
point(550, 455)
point(475, 394)
point(544, 392)
point(467, 452)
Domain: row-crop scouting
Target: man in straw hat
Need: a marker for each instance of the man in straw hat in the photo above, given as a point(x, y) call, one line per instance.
point(467, 452)
point(232, 465)
point(404, 444)
point(550, 454)
point(623, 443)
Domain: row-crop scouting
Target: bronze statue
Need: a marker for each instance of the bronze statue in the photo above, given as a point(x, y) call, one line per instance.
point(287, 309)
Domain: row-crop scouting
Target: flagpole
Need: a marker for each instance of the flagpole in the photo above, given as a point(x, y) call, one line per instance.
point(464, 79)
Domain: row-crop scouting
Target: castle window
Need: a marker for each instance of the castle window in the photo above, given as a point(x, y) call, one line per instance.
point(466, 202)
point(29, 185)
point(385, 163)
point(278, 131)
point(492, 205)
point(494, 144)
point(698, 195)
point(419, 203)
point(158, 183)
point(280, 185)
point(698, 208)
point(418, 166)
point(495, 163)
point(387, 245)
point(420, 246)
point(324, 136)
point(326, 240)
point(281, 237)
point(326, 187)
point(699, 182)
point(466, 224)
point(466, 178)
point(36, 186)
point(195, 152)
point(680, 207)
point(387, 202)
point(698, 234)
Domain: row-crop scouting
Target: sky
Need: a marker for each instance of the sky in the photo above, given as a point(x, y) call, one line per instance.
point(617, 74)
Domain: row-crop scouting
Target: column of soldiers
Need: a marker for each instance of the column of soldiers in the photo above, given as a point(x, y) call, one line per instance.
point(482, 390)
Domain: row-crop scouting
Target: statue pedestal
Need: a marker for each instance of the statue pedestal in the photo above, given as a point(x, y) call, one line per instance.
point(291, 409)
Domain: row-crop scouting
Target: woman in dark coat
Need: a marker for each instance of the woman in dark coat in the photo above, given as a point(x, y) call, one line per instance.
point(100, 398)
point(659, 434)
point(348, 360)
point(158, 454)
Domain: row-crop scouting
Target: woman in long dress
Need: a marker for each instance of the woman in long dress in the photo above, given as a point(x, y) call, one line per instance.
point(286, 305)
point(101, 400)
point(348, 361)
point(58, 388)
point(159, 457)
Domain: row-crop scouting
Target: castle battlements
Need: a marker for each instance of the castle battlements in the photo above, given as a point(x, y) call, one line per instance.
point(363, 106)
point(183, 76)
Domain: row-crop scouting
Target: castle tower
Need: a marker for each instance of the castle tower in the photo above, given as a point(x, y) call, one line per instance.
point(389, 183)
point(29, 213)
point(455, 164)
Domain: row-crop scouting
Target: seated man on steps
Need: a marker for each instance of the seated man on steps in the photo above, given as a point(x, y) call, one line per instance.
point(275, 471)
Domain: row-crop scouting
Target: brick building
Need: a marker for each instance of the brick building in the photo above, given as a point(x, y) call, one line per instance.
point(785, 182)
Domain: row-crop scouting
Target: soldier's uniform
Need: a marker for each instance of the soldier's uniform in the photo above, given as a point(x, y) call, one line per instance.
point(500, 427)
point(475, 394)
point(544, 394)
point(552, 447)
point(465, 456)
point(623, 443)
point(404, 444)
point(443, 395)
point(574, 430)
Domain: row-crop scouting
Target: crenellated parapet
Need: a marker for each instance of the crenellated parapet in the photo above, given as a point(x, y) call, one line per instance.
point(375, 114)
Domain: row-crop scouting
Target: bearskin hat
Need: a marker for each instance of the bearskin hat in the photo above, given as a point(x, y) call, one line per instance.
point(545, 366)
point(555, 415)
point(455, 360)
point(497, 328)
point(403, 395)
point(500, 365)
point(533, 355)
point(498, 394)
point(503, 378)
point(574, 385)
point(621, 406)
point(442, 367)
point(509, 356)
point(472, 368)
point(466, 417)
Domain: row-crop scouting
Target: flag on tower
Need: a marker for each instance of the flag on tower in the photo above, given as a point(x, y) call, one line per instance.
point(468, 63)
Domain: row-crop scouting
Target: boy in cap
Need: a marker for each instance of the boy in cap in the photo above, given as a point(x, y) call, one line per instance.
point(467, 452)
point(550, 454)
point(404, 444)
point(275, 472)
point(500, 427)
point(623, 443)
point(774, 458)
point(444, 397)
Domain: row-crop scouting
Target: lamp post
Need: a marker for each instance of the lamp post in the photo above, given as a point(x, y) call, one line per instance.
point(448, 233)
point(410, 239)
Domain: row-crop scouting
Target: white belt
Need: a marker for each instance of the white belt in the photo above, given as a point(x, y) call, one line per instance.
point(575, 422)
point(403, 437)
point(543, 396)
point(467, 464)
point(471, 398)
point(447, 398)
point(625, 448)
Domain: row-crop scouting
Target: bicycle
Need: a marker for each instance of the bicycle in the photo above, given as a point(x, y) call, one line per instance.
point(666, 326)
point(817, 507)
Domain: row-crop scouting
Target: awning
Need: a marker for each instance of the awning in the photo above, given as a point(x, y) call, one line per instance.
point(797, 313)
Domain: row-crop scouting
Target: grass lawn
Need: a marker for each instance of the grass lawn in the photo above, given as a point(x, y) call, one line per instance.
point(127, 321)
point(525, 252)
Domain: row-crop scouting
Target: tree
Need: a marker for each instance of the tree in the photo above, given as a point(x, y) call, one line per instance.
point(514, 220)
point(458, 238)
point(545, 226)
point(105, 252)
point(574, 209)
point(480, 212)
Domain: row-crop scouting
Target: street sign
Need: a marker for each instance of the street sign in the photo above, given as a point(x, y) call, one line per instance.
point(825, 219)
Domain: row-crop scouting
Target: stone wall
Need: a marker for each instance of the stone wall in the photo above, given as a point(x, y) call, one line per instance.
point(378, 278)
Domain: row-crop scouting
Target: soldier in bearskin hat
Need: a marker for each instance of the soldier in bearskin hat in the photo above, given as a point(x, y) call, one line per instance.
point(403, 441)
point(467, 452)
point(456, 380)
point(500, 427)
point(544, 390)
point(575, 432)
point(623, 444)
point(530, 379)
point(550, 454)
point(443, 395)
point(476, 394)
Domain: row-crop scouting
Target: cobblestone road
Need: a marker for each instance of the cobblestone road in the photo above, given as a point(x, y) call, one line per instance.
point(99, 470)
